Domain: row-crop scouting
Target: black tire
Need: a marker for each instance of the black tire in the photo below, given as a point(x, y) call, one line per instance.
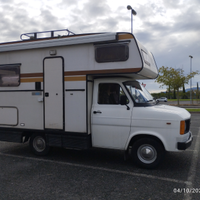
point(39, 145)
point(147, 153)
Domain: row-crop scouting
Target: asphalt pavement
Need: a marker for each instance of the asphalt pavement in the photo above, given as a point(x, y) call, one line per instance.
point(98, 174)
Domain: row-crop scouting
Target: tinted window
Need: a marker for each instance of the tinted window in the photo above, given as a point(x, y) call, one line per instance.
point(146, 57)
point(110, 93)
point(9, 75)
point(111, 53)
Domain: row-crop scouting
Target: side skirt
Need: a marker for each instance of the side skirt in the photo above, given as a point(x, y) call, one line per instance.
point(54, 138)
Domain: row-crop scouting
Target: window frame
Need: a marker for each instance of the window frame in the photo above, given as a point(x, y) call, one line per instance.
point(108, 47)
point(110, 104)
point(145, 57)
point(13, 68)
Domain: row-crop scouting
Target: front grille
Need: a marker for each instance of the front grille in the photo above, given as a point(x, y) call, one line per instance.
point(187, 125)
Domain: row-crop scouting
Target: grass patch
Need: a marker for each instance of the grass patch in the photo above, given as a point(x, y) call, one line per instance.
point(193, 109)
point(188, 100)
point(179, 100)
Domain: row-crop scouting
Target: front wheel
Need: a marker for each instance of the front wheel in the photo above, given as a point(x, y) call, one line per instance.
point(38, 145)
point(147, 153)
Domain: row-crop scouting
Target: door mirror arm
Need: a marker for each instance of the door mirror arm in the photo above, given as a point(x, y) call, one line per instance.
point(128, 108)
point(123, 101)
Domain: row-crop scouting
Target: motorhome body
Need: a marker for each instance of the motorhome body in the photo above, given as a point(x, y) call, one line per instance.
point(57, 92)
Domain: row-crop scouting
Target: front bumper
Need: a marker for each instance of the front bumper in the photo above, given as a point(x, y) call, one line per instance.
point(185, 145)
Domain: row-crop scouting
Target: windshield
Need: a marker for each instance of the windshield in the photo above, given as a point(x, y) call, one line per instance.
point(138, 92)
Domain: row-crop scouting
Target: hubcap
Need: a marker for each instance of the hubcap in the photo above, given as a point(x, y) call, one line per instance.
point(147, 153)
point(39, 144)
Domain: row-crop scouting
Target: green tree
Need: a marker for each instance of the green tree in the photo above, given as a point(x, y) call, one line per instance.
point(173, 79)
point(174, 94)
point(197, 95)
point(183, 88)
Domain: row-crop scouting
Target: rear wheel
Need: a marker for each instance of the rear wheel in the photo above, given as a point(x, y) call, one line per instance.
point(147, 153)
point(39, 145)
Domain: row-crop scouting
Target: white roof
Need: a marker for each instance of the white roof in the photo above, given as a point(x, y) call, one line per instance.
point(58, 42)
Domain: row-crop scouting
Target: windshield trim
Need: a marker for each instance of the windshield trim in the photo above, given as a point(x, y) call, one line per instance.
point(149, 102)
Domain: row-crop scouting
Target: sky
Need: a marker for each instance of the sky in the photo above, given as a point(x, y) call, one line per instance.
point(169, 29)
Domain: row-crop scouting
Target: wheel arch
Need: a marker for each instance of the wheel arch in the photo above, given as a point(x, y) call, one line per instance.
point(28, 134)
point(139, 136)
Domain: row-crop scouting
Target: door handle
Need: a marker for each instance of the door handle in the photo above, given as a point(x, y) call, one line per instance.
point(46, 94)
point(98, 111)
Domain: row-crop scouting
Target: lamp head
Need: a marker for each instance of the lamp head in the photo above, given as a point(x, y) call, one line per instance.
point(129, 7)
point(132, 11)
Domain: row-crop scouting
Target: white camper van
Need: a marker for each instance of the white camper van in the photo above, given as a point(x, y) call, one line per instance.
point(82, 91)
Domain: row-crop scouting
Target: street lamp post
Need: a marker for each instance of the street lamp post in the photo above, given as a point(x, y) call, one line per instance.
point(132, 13)
point(191, 79)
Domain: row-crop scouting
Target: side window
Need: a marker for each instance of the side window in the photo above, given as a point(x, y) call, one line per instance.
point(9, 75)
point(146, 57)
point(110, 93)
point(111, 52)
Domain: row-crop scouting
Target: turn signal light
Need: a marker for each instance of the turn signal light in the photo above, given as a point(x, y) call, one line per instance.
point(182, 127)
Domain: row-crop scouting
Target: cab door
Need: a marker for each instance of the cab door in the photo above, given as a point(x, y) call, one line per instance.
point(111, 121)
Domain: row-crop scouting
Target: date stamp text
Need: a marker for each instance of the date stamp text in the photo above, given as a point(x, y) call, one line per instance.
point(186, 190)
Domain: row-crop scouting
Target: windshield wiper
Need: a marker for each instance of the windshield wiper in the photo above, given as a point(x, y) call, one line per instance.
point(149, 100)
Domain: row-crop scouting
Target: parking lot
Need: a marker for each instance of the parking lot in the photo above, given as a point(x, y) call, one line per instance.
point(97, 174)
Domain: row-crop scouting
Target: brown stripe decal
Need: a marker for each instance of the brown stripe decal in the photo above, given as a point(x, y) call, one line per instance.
point(31, 77)
point(76, 78)
point(76, 75)
point(108, 71)
point(72, 73)
point(27, 80)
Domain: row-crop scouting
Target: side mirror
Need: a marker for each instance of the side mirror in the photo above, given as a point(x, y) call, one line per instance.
point(123, 100)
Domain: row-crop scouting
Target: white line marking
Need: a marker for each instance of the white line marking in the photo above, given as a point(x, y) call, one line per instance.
point(101, 169)
point(192, 171)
